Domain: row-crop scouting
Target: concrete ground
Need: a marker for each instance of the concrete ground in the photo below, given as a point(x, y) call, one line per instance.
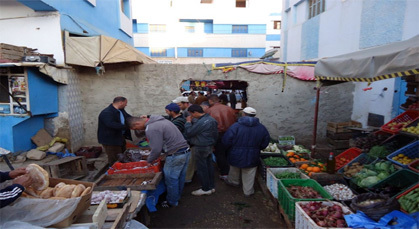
point(226, 208)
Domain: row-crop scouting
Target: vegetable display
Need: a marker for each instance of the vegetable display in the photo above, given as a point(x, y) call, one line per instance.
point(409, 202)
point(275, 161)
point(366, 143)
point(378, 151)
point(273, 148)
point(323, 215)
point(373, 173)
point(401, 158)
point(350, 171)
point(288, 175)
point(301, 192)
point(339, 191)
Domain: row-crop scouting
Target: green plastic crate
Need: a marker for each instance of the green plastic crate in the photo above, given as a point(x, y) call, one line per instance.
point(403, 179)
point(287, 201)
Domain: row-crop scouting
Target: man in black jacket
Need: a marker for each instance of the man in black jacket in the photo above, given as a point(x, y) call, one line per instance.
point(112, 130)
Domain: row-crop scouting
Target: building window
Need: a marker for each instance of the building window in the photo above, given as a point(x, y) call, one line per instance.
point(125, 8)
point(277, 25)
point(195, 52)
point(13, 81)
point(157, 28)
point(158, 52)
point(206, 1)
point(238, 52)
point(190, 29)
point(240, 3)
point(239, 29)
point(315, 7)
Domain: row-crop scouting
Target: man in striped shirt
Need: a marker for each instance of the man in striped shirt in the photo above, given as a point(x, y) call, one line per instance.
point(14, 191)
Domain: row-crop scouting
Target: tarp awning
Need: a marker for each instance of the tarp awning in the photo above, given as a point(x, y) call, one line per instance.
point(369, 65)
point(56, 74)
point(92, 51)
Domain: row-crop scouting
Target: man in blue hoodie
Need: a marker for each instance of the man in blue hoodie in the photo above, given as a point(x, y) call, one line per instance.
point(164, 137)
point(244, 140)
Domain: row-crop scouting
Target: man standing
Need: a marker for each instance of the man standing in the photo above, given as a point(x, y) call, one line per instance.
point(173, 111)
point(165, 137)
point(183, 103)
point(225, 117)
point(223, 98)
point(201, 98)
point(203, 135)
point(112, 130)
point(244, 140)
point(233, 100)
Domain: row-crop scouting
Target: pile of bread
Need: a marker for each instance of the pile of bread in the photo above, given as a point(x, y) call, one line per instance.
point(40, 186)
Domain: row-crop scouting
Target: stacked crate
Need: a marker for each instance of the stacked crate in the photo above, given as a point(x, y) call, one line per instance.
point(338, 134)
point(12, 53)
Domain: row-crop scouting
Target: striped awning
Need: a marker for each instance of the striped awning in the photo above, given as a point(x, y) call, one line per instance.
point(379, 63)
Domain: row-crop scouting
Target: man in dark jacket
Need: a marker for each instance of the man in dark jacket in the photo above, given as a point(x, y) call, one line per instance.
point(173, 110)
point(233, 100)
point(14, 191)
point(112, 130)
point(244, 140)
point(202, 135)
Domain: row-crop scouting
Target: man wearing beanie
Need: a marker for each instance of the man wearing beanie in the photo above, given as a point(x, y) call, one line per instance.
point(244, 140)
point(173, 111)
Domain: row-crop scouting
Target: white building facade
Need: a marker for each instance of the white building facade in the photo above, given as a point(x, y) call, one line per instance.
point(210, 31)
point(314, 29)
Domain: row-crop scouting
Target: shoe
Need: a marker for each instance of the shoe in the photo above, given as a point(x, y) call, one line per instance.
point(201, 192)
point(231, 184)
point(213, 190)
point(247, 196)
point(223, 177)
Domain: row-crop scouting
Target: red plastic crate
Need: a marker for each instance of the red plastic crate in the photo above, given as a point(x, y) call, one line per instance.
point(407, 116)
point(404, 193)
point(412, 166)
point(134, 167)
point(349, 154)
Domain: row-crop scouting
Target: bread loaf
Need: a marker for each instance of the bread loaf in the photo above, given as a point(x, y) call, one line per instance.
point(78, 190)
point(86, 191)
point(40, 177)
point(47, 193)
point(65, 191)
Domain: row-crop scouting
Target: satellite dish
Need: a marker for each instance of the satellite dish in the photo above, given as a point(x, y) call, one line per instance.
point(269, 54)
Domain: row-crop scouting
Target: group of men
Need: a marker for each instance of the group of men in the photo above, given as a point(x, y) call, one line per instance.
point(187, 138)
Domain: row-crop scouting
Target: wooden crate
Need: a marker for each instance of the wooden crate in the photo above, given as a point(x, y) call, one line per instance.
point(132, 181)
point(341, 127)
point(68, 168)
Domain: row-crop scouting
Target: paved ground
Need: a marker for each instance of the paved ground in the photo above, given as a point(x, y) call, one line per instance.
point(226, 208)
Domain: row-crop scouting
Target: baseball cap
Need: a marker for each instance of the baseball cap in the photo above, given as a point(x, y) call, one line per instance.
point(173, 107)
point(181, 99)
point(249, 110)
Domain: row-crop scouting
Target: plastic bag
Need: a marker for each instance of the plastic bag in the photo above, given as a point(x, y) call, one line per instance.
point(38, 212)
point(377, 210)
point(393, 220)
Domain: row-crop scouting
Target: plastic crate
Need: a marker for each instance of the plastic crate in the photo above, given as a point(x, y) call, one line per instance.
point(412, 166)
point(362, 159)
point(402, 179)
point(348, 154)
point(134, 167)
point(263, 166)
point(411, 150)
point(287, 201)
point(407, 116)
point(286, 140)
point(303, 221)
point(272, 181)
point(406, 192)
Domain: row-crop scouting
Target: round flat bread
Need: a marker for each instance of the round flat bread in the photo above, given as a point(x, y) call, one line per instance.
point(58, 186)
point(40, 177)
point(86, 191)
point(65, 191)
point(78, 190)
point(31, 192)
point(47, 193)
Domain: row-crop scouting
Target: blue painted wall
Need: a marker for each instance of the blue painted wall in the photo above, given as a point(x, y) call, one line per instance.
point(273, 37)
point(6, 133)
point(43, 93)
point(381, 22)
point(227, 29)
point(100, 19)
point(142, 27)
point(23, 132)
point(310, 38)
point(222, 52)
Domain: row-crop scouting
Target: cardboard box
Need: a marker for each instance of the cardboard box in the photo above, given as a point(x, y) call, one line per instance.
point(83, 205)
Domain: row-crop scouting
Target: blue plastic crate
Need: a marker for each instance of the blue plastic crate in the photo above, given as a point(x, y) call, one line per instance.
point(363, 159)
point(411, 150)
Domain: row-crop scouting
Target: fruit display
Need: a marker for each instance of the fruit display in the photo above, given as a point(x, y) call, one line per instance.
point(367, 142)
point(409, 202)
point(312, 167)
point(296, 157)
point(412, 129)
point(395, 126)
point(401, 158)
point(324, 215)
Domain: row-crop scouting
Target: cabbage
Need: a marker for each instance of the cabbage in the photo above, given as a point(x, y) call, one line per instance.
point(383, 175)
point(383, 166)
point(369, 181)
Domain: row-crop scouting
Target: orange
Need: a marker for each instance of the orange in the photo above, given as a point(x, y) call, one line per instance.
point(290, 154)
point(296, 156)
point(304, 166)
point(309, 169)
point(316, 169)
point(309, 174)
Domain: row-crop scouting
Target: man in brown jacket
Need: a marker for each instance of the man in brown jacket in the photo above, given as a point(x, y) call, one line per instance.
point(225, 117)
point(201, 98)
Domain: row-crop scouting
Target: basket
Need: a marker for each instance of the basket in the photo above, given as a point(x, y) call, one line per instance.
point(287, 201)
point(349, 155)
point(404, 193)
point(402, 179)
point(303, 221)
point(362, 159)
point(407, 116)
point(272, 181)
point(412, 166)
point(376, 210)
point(263, 166)
point(411, 150)
point(134, 167)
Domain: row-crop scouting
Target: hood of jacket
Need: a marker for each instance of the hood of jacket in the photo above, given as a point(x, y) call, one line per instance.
point(248, 121)
point(154, 118)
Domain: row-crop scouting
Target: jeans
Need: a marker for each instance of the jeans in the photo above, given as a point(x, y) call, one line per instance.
point(174, 176)
point(221, 155)
point(205, 169)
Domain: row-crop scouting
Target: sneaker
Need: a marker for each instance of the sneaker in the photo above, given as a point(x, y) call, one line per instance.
point(231, 184)
point(223, 177)
point(201, 192)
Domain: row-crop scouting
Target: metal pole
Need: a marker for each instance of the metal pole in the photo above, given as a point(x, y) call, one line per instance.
point(316, 114)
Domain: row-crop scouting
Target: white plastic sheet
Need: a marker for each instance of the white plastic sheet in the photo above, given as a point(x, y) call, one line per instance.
point(37, 212)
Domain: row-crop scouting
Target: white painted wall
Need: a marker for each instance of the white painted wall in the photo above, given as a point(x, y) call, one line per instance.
point(22, 26)
point(126, 22)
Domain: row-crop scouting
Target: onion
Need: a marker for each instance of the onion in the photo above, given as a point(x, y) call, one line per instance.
point(337, 207)
point(337, 215)
point(340, 223)
point(323, 212)
point(321, 223)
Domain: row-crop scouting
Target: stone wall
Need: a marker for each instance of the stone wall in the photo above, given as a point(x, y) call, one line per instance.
point(149, 88)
